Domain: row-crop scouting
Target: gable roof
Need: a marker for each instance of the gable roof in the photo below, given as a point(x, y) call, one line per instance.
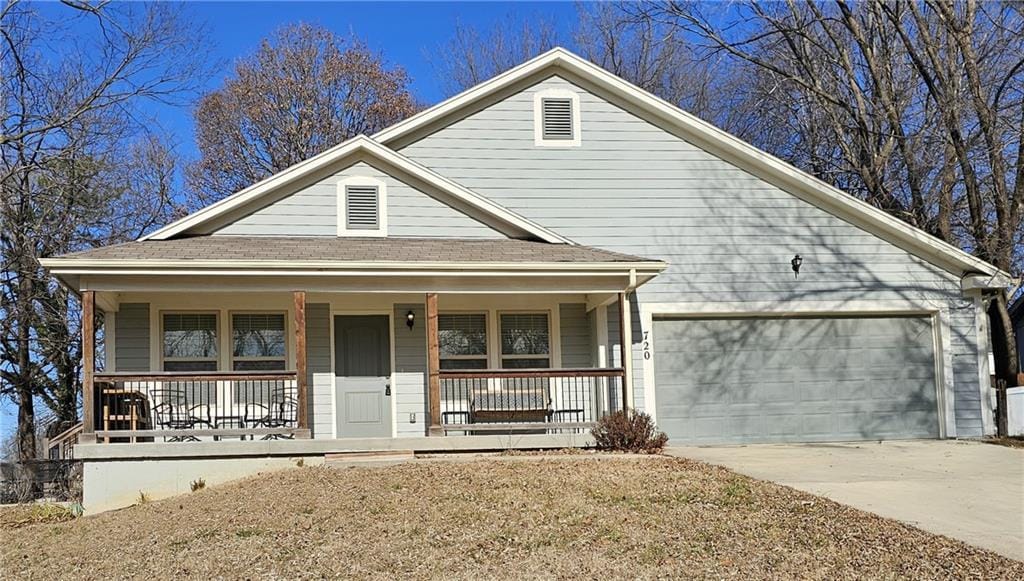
point(701, 133)
point(360, 148)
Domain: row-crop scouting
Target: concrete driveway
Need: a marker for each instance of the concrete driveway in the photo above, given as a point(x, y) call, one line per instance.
point(970, 491)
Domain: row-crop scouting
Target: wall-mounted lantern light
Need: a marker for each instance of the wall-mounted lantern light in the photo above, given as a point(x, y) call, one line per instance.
point(796, 262)
point(410, 319)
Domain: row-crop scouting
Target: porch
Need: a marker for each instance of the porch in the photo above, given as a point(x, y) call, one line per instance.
point(219, 338)
point(258, 366)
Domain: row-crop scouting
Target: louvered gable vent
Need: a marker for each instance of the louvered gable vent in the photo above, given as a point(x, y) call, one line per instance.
point(557, 118)
point(362, 208)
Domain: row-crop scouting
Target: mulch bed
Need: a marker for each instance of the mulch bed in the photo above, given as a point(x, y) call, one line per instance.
point(609, 518)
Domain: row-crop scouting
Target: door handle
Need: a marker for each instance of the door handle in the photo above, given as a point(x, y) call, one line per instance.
point(387, 389)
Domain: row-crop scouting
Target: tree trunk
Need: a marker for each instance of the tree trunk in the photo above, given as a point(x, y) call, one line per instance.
point(1004, 342)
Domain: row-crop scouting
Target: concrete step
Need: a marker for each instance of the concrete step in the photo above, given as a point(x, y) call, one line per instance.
point(368, 458)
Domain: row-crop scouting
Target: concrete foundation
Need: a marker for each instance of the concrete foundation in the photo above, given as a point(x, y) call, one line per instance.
point(116, 475)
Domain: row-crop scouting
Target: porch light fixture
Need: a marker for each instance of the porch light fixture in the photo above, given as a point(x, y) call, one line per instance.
point(796, 262)
point(410, 319)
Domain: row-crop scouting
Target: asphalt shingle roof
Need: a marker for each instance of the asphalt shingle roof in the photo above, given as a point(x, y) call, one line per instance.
point(340, 249)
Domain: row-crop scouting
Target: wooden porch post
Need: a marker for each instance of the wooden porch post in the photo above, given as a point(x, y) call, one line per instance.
point(88, 364)
point(625, 351)
point(300, 358)
point(433, 367)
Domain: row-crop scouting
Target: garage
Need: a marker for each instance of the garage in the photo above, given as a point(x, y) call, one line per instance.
point(795, 379)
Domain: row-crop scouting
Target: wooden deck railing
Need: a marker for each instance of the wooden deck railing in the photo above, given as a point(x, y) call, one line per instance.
point(175, 407)
point(528, 400)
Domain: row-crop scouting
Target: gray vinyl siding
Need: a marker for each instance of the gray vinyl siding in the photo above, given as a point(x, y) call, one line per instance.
point(575, 335)
point(318, 367)
point(410, 373)
point(727, 235)
point(131, 337)
point(313, 211)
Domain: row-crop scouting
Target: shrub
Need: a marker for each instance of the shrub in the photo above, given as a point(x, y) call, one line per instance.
point(197, 484)
point(629, 431)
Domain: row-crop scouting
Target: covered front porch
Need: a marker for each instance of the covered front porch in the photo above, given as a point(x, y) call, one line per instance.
point(466, 350)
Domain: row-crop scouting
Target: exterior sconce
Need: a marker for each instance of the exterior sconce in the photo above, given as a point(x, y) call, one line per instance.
point(410, 319)
point(796, 262)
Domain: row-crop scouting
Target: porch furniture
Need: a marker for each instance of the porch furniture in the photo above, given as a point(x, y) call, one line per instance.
point(173, 412)
point(281, 415)
point(527, 400)
point(124, 409)
point(193, 406)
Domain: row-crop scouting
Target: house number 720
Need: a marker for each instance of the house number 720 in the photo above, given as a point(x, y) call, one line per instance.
point(647, 345)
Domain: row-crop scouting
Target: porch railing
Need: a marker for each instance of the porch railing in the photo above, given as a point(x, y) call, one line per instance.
point(547, 401)
point(176, 407)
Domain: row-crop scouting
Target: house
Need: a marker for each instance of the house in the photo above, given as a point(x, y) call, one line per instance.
point(502, 269)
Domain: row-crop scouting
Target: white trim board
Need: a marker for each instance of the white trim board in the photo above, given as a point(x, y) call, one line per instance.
point(362, 148)
point(712, 139)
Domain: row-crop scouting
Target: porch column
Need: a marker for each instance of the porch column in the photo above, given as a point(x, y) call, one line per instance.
point(300, 358)
point(433, 367)
point(88, 364)
point(625, 348)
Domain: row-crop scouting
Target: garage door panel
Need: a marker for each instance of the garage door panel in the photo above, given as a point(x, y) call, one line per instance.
point(799, 379)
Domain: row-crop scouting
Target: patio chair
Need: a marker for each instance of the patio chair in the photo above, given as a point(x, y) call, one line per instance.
point(283, 414)
point(172, 412)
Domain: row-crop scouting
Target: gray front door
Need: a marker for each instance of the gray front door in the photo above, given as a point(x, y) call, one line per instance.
point(801, 379)
point(362, 369)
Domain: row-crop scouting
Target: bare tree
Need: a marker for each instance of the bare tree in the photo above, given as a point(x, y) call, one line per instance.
point(64, 125)
point(304, 90)
point(653, 55)
point(917, 107)
point(472, 56)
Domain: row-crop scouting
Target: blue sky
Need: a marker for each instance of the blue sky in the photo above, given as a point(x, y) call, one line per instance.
point(405, 32)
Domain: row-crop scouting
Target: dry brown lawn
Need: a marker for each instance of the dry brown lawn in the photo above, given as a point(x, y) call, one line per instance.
point(493, 518)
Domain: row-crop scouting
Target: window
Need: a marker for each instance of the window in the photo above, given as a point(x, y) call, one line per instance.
point(190, 341)
point(556, 118)
point(362, 207)
point(258, 342)
point(463, 340)
point(525, 341)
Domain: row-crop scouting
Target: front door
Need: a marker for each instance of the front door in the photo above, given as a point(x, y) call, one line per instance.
point(362, 369)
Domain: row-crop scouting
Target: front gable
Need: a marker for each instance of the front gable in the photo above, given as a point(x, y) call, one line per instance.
point(308, 198)
point(318, 209)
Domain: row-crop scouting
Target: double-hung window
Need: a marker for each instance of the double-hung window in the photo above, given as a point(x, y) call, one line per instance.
point(258, 342)
point(525, 341)
point(463, 340)
point(189, 342)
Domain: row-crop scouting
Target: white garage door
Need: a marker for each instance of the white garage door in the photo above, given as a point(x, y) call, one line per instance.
point(795, 379)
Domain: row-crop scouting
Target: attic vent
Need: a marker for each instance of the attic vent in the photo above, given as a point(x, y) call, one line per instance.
point(362, 208)
point(557, 118)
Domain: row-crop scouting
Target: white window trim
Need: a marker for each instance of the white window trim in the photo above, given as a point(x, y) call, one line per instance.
point(218, 338)
point(231, 337)
point(538, 118)
point(382, 207)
